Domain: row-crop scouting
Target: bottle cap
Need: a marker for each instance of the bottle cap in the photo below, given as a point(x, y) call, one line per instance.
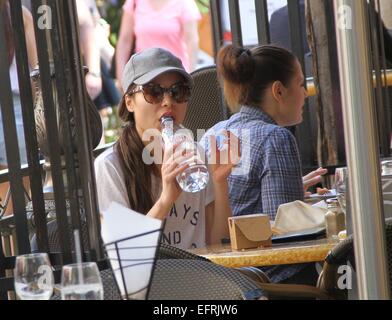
point(165, 118)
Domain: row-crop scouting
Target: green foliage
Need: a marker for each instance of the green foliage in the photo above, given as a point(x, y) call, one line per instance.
point(112, 125)
point(204, 5)
point(111, 11)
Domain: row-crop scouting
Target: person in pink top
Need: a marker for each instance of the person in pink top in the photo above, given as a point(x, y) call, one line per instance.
point(168, 24)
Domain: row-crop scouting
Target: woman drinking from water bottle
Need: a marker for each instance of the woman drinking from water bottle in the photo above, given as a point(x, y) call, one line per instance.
point(156, 85)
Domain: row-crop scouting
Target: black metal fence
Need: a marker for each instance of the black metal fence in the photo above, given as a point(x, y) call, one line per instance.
point(296, 40)
point(307, 142)
point(60, 129)
point(60, 134)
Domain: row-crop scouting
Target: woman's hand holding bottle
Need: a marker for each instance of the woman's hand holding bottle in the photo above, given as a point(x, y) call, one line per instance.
point(173, 164)
point(225, 153)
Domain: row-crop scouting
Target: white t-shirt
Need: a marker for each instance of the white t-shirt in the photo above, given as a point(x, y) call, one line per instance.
point(185, 223)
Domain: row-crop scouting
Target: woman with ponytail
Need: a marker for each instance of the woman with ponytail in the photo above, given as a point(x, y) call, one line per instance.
point(157, 84)
point(267, 84)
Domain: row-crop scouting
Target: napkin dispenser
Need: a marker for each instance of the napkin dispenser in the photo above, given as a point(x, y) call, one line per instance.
point(250, 231)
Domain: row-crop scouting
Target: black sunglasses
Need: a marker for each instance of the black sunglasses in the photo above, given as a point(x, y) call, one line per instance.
point(154, 93)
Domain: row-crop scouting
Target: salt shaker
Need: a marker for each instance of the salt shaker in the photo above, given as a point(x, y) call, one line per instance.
point(334, 219)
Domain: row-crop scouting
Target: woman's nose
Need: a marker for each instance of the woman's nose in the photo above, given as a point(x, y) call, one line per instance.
point(167, 99)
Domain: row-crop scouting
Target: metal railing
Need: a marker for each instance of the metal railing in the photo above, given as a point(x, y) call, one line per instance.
point(386, 80)
point(305, 140)
point(68, 135)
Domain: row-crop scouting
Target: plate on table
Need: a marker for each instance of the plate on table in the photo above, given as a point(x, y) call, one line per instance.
point(330, 194)
point(300, 235)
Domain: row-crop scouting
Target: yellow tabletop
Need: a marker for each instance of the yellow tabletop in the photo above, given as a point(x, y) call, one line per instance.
point(284, 253)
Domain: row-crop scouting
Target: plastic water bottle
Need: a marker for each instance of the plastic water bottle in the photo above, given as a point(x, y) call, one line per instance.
point(195, 178)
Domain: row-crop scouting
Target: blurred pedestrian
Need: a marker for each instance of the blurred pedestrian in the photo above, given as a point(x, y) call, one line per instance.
point(97, 52)
point(90, 50)
point(168, 24)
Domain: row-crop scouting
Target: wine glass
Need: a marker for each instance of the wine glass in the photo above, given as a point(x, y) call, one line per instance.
point(386, 167)
point(33, 277)
point(81, 281)
point(341, 176)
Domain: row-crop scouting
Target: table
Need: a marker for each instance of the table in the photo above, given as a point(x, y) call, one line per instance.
point(283, 253)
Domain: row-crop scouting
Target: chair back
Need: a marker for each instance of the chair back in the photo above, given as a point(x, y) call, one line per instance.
point(167, 251)
point(206, 106)
point(343, 255)
point(178, 270)
point(190, 279)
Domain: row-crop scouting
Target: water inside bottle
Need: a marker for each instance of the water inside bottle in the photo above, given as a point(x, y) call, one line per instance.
point(194, 179)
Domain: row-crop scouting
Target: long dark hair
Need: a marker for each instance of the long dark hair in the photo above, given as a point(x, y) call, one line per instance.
point(247, 73)
point(137, 174)
point(5, 10)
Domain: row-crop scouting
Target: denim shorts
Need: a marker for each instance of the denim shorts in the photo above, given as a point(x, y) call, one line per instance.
point(20, 133)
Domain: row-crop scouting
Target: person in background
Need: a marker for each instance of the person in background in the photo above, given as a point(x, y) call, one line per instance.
point(95, 46)
point(157, 84)
point(109, 95)
point(33, 61)
point(168, 24)
point(274, 5)
point(280, 27)
point(267, 84)
point(90, 50)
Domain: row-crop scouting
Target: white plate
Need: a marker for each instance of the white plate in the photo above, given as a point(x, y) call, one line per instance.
point(330, 194)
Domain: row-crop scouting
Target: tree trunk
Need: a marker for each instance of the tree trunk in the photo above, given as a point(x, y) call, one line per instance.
point(322, 43)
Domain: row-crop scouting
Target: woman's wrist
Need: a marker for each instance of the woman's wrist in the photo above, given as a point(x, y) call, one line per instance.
point(164, 205)
point(219, 182)
point(221, 187)
point(160, 210)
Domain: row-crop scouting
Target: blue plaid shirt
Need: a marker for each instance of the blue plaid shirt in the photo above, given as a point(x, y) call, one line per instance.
point(271, 172)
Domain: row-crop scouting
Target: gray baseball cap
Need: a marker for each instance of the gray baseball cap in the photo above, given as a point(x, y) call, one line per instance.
point(146, 65)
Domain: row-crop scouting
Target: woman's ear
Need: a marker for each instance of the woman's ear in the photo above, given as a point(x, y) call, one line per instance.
point(129, 102)
point(278, 91)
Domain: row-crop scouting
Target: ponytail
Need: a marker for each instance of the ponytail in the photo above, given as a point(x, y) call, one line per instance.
point(247, 73)
point(236, 66)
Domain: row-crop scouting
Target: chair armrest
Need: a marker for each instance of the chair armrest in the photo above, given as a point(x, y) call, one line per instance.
point(293, 291)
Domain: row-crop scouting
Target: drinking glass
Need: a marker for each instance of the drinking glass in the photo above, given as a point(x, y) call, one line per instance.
point(33, 277)
point(386, 167)
point(341, 176)
point(81, 281)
